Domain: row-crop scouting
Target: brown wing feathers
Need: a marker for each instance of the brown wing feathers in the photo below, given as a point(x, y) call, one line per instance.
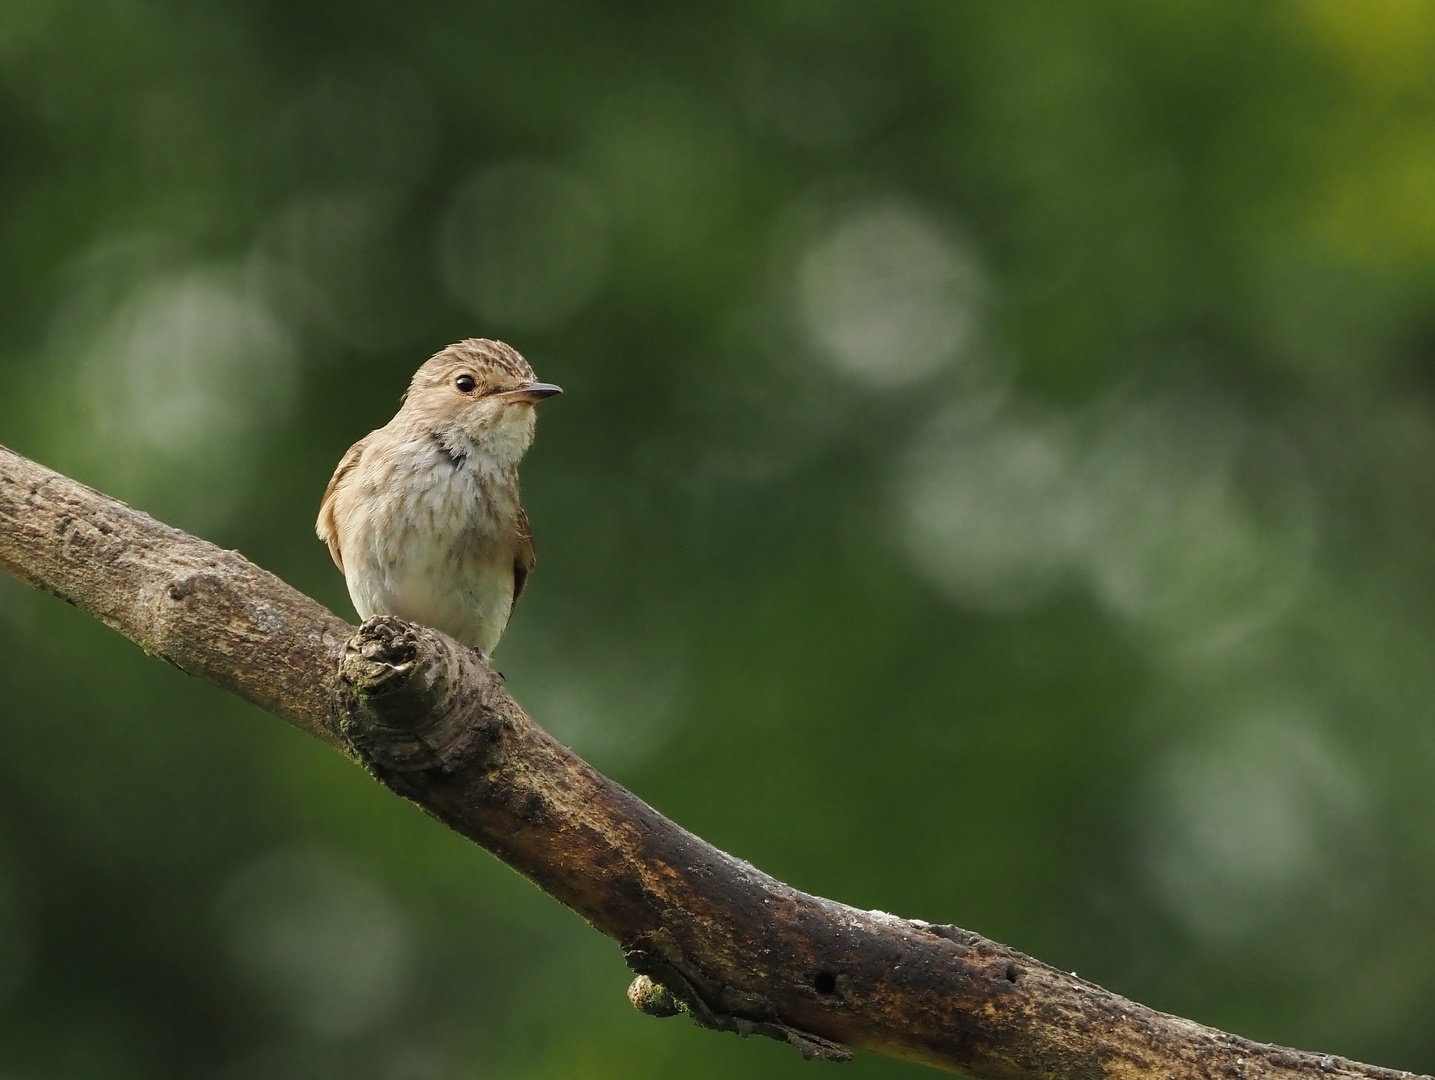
point(326, 527)
point(524, 558)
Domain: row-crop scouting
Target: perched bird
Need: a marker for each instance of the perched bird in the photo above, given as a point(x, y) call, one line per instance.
point(422, 516)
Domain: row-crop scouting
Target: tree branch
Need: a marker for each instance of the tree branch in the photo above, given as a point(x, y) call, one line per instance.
point(708, 934)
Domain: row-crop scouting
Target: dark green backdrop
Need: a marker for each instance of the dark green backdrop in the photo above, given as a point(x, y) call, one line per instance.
point(995, 484)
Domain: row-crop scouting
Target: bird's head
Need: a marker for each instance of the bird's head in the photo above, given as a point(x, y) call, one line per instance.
point(480, 390)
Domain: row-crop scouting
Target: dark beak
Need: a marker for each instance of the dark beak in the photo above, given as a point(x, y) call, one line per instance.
point(533, 392)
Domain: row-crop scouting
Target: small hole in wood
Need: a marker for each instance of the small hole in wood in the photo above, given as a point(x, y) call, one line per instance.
point(825, 983)
point(1012, 971)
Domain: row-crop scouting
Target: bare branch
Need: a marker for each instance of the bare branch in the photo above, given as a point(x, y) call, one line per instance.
point(708, 934)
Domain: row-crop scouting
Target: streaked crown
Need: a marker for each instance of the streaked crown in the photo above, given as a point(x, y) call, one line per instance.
point(494, 365)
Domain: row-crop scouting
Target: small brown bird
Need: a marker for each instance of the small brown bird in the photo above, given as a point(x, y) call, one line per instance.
point(423, 516)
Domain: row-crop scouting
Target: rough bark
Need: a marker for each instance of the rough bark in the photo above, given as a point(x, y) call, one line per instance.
point(708, 934)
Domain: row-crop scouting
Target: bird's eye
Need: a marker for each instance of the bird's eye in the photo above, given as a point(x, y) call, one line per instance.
point(465, 384)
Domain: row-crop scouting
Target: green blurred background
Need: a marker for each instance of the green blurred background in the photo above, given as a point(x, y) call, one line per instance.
point(995, 484)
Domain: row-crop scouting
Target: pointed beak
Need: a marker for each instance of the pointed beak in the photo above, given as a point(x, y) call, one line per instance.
point(532, 393)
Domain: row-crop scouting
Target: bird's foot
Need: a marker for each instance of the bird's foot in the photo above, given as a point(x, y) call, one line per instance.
point(487, 662)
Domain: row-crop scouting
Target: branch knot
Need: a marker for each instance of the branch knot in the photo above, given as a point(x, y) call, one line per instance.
point(661, 989)
point(412, 699)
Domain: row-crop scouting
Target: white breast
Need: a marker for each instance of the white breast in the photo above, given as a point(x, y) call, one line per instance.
point(434, 541)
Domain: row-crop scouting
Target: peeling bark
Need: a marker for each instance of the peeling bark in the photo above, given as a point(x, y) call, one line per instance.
point(708, 934)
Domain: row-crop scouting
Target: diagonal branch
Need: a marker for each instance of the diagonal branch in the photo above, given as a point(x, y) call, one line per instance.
point(707, 933)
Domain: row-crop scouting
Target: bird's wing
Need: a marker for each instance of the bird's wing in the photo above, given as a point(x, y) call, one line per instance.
point(327, 527)
point(524, 558)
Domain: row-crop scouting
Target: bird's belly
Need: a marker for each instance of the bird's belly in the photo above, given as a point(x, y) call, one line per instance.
point(464, 589)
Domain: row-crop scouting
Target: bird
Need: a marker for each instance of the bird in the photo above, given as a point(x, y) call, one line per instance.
point(423, 516)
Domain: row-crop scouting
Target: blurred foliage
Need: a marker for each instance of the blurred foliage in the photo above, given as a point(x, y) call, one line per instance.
point(996, 484)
